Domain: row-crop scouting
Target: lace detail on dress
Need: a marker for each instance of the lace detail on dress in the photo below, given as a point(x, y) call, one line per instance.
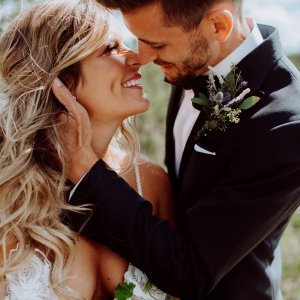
point(143, 290)
point(31, 281)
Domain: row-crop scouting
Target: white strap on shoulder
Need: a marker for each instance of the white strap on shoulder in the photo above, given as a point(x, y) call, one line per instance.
point(138, 178)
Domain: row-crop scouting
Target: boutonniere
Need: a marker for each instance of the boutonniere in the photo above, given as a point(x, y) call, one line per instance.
point(224, 105)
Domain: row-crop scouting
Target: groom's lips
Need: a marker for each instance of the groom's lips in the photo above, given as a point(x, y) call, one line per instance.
point(166, 68)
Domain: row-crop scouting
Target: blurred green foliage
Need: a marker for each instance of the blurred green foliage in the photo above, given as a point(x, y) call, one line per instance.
point(8, 9)
point(290, 246)
point(151, 125)
point(296, 60)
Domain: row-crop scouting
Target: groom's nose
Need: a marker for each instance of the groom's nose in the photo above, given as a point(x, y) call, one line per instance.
point(146, 54)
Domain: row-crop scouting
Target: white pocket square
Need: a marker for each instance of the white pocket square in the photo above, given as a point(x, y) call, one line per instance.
point(202, 150)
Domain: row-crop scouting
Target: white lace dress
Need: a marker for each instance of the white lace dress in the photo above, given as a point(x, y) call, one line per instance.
point(31, 281)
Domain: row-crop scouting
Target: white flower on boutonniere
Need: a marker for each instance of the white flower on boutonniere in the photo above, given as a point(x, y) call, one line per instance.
point(224, 105)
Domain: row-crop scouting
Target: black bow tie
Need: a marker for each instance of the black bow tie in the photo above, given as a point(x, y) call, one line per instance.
point(199, 85)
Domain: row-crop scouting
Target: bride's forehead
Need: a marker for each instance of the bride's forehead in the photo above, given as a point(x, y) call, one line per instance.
point(114, 35)
point(115, 30)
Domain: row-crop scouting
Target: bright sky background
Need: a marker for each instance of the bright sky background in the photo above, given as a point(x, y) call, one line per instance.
point(283, 14)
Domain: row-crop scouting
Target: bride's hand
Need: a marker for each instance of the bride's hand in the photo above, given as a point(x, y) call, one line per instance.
point(75, 133)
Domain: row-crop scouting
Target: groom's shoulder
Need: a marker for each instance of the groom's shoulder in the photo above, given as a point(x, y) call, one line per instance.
point(283, 89)
point(278, 110)
point(280, 92)
point(284, 75)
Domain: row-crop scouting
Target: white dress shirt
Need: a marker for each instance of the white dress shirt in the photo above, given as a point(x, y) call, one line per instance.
point(187, 114)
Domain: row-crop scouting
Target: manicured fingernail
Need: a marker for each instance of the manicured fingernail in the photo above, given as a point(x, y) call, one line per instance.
point(57, 82)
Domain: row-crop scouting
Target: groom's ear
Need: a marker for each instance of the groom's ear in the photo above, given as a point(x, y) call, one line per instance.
point(220, 22)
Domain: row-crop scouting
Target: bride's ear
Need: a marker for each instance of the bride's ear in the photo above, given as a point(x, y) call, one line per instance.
point(220, 23)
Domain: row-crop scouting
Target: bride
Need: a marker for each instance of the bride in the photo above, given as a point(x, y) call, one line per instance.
point(42, 258)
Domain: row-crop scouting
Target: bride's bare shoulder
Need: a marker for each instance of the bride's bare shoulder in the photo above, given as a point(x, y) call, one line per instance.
point(157, 188)
point(153, 173)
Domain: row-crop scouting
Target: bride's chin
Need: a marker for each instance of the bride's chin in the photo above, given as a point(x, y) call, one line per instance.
point(142, 108)
point(142, 101)
point(146, 104)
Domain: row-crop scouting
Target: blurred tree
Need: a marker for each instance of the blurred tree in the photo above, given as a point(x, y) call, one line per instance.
point(8, 9)
point(296, 60)
point(151, 125)
point(290, 245)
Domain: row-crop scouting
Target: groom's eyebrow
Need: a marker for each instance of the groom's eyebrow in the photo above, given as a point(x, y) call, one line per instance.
point(150, 42)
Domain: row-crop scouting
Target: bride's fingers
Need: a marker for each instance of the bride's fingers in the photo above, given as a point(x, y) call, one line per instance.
point(75, 110)
point(63, 95)
point(63, 120)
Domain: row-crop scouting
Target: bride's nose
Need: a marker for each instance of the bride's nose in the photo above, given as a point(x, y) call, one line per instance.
point(132, 59)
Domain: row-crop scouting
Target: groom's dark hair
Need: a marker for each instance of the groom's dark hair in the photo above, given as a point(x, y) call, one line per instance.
point(187, 13)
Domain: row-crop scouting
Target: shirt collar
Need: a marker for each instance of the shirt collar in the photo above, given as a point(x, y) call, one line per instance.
point(253, 40)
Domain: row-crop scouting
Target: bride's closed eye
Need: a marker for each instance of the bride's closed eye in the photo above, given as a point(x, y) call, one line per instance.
point(114, 48)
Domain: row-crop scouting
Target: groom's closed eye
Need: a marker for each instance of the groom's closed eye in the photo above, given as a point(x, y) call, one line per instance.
point(157, 47)
point(154, 45)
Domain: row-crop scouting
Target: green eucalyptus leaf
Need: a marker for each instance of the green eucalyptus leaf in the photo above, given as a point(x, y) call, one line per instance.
point(124, 291)
point(229, 82)
point(201, 101)
point(249, 102)
point(202, 96)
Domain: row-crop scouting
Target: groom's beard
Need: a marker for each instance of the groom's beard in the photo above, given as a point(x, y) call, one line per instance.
point(189, 68)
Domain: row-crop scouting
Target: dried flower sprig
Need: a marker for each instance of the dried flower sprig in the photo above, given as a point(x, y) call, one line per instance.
point(225, 104)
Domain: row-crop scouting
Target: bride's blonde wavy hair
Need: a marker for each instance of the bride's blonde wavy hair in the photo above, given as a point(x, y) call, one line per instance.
point(46, 41)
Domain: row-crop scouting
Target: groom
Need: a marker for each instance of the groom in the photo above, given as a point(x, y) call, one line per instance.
point(236, 188)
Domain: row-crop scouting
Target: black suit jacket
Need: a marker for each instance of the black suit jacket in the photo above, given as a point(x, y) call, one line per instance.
point(232, 207)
